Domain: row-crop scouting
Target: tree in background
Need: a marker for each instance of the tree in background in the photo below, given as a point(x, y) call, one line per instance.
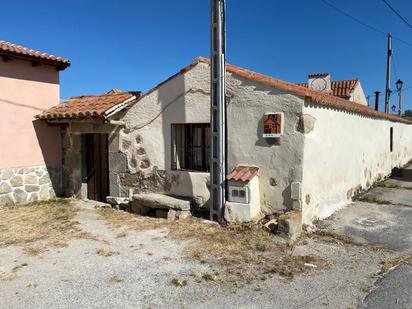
point(408, 113)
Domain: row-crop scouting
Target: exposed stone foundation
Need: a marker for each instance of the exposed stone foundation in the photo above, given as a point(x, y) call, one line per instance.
point(24, 185)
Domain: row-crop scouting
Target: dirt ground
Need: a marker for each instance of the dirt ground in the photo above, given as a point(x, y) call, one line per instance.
point(71, 254)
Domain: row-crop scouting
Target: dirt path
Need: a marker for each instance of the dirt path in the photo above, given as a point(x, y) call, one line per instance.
point(142, 269)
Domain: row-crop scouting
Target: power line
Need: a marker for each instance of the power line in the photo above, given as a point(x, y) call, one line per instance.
point(363, 23)
point(397, 13)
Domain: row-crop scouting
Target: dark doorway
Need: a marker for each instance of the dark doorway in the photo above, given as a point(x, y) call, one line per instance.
point(97, 167)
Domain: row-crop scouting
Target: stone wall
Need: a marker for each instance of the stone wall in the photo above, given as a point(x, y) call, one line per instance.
point(24, 185)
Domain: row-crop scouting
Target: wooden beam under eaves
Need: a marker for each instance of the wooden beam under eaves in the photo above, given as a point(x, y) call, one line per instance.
point(6, 58)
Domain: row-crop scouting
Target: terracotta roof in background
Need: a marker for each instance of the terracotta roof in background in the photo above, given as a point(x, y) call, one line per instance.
point(8, 49)
point(90, 106)
point(243, 173)
point(340, 88)
point(315, 97)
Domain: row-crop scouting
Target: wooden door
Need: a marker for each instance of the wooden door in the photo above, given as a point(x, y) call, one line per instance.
point(97, 167)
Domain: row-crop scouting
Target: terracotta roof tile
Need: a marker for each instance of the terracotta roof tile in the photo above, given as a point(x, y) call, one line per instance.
point(311, 96)
point(21, 52)
point(90, 106)
point(243, 173)
point(340, 88)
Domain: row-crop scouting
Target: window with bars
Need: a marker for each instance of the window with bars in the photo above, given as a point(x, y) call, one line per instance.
point(191, 146)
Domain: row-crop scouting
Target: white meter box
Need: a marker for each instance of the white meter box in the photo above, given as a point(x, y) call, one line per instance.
point(273, 125)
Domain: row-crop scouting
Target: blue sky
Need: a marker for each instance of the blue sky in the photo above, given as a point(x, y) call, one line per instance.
point(133, 45)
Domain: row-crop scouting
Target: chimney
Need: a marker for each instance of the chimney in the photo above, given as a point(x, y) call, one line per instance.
point(377, 93)
point(320, 82)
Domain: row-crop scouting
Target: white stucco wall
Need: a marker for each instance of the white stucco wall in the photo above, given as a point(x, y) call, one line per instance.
point(280, 161)
point(346, 153)
point(185, 99)
point(358, 95)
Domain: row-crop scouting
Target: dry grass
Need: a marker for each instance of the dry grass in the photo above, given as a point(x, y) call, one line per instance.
point(106, 253)
point(116, 279)
point(392, 263)
point(241, 252)
point(42, 220)
point(33, 250)
point(340, 239)
point(121, 234)
point(57, 244)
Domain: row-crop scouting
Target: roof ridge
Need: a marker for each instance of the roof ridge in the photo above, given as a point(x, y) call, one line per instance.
point(11, 49)
point(102, 95)
point(311, 95)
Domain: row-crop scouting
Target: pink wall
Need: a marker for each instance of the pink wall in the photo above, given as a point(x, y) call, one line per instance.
point(25, 91)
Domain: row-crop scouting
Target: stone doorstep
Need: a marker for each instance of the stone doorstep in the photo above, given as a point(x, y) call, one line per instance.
point(161, 201)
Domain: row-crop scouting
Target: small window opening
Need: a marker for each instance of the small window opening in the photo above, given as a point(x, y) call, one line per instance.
point(391, 139)
point(243, 193)
point(235, 192)
point(191, 147)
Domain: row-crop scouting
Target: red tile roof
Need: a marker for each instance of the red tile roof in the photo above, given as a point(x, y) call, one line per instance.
point(243, 173)
point(90, 106)
point(314, 97)
point(340, 88)
point(8, 49)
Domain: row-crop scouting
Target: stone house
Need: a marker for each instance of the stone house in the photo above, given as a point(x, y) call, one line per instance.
point(325, 150)
point(30, 150)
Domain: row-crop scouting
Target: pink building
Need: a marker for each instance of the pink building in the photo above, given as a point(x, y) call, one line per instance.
point(30, 151)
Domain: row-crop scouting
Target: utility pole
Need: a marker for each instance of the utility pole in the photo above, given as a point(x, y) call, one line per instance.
point(218, 110)
point(377, 93)
point(388, 73)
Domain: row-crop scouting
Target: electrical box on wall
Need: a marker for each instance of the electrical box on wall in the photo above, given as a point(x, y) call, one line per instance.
point(243, 202)
point(273, 125)
point(239, 194)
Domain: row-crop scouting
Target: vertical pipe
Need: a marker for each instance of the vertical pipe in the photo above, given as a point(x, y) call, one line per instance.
point(218, 110)
point(377, 93)
point(388, 73)
point(400, 103)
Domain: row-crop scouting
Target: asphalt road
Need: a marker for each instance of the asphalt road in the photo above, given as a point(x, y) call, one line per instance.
point(390, 225)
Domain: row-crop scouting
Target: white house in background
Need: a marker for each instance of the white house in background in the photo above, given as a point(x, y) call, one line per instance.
point(350, 89)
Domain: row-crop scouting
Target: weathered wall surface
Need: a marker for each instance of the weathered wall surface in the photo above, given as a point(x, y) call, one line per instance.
point(146, 140)
point(346, 153)
point(280, 161)
point(29, 184)
point(24, 92)
point(74, 173)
